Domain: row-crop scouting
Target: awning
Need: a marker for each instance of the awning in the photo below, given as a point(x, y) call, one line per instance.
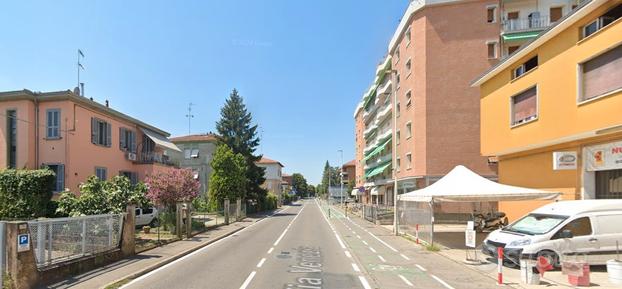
point(355, 192)
point(160, 140)
point(378, 170)
point(378, 191)
point(520, 35)
point(377, 150)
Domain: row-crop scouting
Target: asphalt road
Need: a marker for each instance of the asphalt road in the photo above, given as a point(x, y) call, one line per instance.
point(302, 246)
point(295, 248)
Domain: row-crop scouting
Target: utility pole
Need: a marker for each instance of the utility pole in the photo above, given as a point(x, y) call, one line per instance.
point(394, 152)
point(341, 178)
point(189, 115)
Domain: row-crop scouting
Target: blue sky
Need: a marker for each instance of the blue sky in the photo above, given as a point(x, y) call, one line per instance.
point(301, 66)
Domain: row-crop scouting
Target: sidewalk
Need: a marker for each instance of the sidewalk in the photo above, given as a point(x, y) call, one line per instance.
point(511, 276)
point(149, 260)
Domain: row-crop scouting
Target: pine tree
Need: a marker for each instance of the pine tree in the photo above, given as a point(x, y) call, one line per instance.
point(235, 129)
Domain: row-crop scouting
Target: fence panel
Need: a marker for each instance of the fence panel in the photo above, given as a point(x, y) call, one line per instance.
point(2, 252)
point(415, 219)
point(61, 239)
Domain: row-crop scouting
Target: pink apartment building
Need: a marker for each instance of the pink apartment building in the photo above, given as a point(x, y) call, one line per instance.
point(77, 137)
point(424, 82)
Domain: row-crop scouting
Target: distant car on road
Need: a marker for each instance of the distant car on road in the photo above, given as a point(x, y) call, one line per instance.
point(147, 216)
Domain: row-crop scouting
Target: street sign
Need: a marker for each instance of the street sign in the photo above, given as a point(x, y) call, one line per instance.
point(469, 238)
point(23, 242)
point(470, 225)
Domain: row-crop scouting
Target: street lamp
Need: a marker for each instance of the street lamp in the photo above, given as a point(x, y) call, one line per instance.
point(341, 178)
point(394, 144)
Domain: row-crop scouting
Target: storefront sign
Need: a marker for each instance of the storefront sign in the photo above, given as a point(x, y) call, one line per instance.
point(604, 157)
point(564, 161)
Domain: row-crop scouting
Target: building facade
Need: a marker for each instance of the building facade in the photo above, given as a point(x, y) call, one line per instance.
point(77, 137)
point(196, 154)
point(273, 175)
point(551, 111)
point(424, 83)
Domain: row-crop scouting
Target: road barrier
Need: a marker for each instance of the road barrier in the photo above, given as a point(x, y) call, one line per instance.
point(500, 266)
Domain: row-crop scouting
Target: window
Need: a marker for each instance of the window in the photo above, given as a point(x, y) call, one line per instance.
point(525, 67)
point(491, 14)
point(187, 153)
point(11, 123)
point(525, 106)
point(578, 227)
point(409, 133)
point(194, 154)
point(397, 54)
point(555, 13)
point(408, 99)
point(398, 162)
point(601, 75)
point(492, 49)
point(397, 137)
point(602, 21)
point(132, 176)
point(407, 35)
point(101, 132)
point(127, 140)
point(53, 124)
point(408, 66)
point(409, 161)
point(397, 110)
point(59, 171)
point(101, 173)
point(511, 49)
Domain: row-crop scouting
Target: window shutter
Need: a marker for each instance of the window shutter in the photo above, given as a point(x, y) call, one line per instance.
point(122, 141)
point(108, 134)
point(602, 74)
point(94, 130)
point(133, 141)
point(525, 105)
point(60, 178)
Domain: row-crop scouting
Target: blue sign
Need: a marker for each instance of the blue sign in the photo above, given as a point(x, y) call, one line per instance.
point(23, 242)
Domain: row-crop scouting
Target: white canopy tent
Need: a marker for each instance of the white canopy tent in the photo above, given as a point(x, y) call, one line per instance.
point(463, 185)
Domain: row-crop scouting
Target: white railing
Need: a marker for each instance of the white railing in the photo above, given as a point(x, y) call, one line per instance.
point(62, 239)
point(520, 24)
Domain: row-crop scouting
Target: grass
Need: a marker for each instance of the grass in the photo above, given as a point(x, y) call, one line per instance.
point(432, 247)
point(117, 284)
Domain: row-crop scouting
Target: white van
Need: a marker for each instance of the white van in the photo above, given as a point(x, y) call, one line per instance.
point(147, 216)
point(584, 230)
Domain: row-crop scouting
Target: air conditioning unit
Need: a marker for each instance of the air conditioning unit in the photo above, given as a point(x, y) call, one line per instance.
point(131, 156)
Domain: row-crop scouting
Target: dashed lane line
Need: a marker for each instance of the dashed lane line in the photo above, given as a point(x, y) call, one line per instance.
point(364, 282)
point(382, 259)
point(348, 254)
point(405, 257)
point(248, 280)
point(271, 249)
point(355, 267)
point(421, 267)
point(261, 262)
point(405, 280)
point(442, 282)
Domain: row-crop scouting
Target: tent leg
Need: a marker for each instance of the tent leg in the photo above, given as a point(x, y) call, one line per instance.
point(432, 221)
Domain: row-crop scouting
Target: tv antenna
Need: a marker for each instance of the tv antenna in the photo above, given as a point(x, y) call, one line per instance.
point(189, 115)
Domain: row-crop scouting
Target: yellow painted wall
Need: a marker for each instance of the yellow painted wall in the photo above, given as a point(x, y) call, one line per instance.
point(556, 77)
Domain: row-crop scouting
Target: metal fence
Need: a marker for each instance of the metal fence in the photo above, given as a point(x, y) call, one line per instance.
point(415, 219)
point(2, 252)
point(382, 214)
point(61, 239)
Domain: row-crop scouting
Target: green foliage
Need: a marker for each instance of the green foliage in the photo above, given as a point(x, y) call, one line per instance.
point(228, 179)
point(102, 197)
point(300, 184)
point(329, 176)
point(235, 129)
point(25, 194)
point(200, 204)
point(270, 202)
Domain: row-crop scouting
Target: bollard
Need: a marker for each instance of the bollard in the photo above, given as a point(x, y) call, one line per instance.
point(329, 212)
point(500, 266)
point(417, 233)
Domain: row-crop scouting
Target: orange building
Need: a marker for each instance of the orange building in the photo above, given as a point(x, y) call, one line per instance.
point(77, 137)
point(552, 111)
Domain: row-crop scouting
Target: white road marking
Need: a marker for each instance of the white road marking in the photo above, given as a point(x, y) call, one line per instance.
point(358, 236)
point(340, 242)
point(348, 254)
point(261, 262)
point(442, 282)
point(271, 249)
point(405, 257)
point(365, 243)
point(421, 267)
point(382, 259)
point(288, 225)
point(372, 249)
point(248, 280)
point(405, 280)
point(356, 268)
point(280, 237)
point(383, 242)
point(364, 282)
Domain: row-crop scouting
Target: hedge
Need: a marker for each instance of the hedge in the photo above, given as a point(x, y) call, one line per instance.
point(25, 194)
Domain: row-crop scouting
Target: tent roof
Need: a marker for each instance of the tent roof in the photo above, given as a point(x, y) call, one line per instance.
point(463, 185)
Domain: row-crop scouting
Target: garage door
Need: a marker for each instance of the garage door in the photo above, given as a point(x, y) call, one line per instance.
point(609, 184)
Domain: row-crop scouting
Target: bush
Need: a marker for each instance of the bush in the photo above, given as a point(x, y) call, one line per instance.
point(25, 194)
point(270, 202)
point(200, 204)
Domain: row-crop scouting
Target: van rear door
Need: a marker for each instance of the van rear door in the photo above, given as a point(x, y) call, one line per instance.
point(608, 230)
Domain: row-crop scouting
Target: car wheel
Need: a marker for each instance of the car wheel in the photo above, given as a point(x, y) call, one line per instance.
point(154, 223)
point(551, 257)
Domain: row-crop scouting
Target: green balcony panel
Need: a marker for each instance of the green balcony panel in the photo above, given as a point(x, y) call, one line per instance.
point(520, 36)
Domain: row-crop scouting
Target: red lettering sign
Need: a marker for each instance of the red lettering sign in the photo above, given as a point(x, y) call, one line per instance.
point(616, 150)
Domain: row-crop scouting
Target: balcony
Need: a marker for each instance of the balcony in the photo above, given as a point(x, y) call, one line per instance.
point(154, 157)
point(525, 24)
point(384, 112)
point(384, 88)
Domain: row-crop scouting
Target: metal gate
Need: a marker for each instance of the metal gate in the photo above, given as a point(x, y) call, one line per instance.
point(416, 220)
point(2, 252)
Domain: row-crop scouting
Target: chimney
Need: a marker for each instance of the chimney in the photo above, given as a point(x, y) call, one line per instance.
point(107, 103)
point(82, 88)
point(76, 90)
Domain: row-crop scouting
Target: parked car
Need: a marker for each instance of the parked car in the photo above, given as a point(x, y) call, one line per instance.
point(147, 216)
point(584, 230)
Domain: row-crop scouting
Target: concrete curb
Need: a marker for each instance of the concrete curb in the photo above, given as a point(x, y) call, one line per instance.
point(178, 256)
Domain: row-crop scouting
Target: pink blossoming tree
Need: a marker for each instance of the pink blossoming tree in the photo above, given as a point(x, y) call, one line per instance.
point(172, 186)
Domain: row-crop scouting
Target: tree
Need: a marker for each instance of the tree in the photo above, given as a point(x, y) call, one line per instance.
point(235, 129)
point(168, 187)
point(102, 197)
point(228, 178)
point(330, 176)
point(299, 183)
point(312, 190)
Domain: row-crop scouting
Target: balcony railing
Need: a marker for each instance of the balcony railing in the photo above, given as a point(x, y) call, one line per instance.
point(529, 23)
point(153, 157)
